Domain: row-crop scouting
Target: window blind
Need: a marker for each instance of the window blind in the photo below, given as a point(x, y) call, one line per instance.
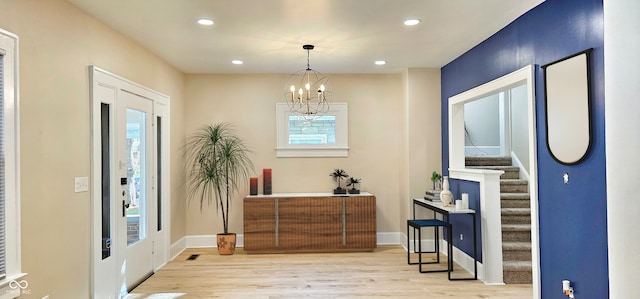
point(3, 270)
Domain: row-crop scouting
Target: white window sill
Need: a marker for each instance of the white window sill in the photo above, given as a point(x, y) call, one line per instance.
point(8, 291)
point(311, 152)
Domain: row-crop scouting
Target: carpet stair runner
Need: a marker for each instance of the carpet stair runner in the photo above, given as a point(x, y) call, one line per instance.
point(516, 218)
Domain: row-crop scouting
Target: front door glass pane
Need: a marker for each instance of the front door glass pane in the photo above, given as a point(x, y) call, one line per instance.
point(105, 152)
point(159, 173)
point(136, 174)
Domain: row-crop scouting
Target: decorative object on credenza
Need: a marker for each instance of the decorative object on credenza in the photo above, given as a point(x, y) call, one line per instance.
point(266, 181)
point(435, 178)
point(353, 183)
point(338, 175)
point(253, 186)
point(218, 165)
point(445, 195)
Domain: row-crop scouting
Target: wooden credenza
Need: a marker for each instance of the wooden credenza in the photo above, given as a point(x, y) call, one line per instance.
point(309, 222)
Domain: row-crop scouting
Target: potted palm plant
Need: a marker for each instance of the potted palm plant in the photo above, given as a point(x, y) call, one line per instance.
point(338, 175)
point(219, 164)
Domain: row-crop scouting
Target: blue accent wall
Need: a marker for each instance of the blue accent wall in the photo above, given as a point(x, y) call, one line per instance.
point(462, 223)
point(572, 217)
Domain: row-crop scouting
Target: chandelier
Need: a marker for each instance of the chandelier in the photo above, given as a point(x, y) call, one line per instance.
point(307, 91)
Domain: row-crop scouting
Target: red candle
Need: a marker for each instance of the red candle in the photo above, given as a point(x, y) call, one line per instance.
point(253, 186)
point(266, 177)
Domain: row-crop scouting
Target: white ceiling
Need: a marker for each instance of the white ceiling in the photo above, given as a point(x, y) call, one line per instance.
point(268, 35)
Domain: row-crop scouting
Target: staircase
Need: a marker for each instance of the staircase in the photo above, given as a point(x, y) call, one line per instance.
point(516, 218)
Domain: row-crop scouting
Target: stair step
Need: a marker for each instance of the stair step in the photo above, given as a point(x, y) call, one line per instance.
point(516, 246)
point(516, 233)
point(516, 265)
point(510, 172)
point(518, 272)
point(516, 215)
point(517, 196)
point(515, 211)
point(488, 161)
point(516, 251)
point(515, 200)
point(514, 186)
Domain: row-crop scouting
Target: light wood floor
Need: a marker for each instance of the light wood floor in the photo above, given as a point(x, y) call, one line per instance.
point(383, 273)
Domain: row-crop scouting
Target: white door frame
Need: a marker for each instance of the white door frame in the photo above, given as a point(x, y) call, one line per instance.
point(106, 88)
point(456, 103)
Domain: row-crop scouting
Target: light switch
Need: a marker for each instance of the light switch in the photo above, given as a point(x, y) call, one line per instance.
point(81, 184)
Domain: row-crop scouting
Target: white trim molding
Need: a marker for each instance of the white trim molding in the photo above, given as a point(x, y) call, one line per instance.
point(490, 219)
point(177, 248)
point(209, 241)
point(9, 45)
point(286, 150)
point(489, 190)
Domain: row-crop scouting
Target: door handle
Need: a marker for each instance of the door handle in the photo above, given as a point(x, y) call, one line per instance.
point(124, 208)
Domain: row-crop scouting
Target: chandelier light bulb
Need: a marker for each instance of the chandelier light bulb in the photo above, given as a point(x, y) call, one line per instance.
point(293, 89)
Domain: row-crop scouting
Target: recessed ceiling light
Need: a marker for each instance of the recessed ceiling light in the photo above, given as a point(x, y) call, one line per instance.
point(380, 62)
point(206, 22)
point(237, 61)
point(412, 22)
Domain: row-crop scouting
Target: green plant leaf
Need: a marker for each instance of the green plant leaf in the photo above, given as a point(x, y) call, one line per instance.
point(218, 165)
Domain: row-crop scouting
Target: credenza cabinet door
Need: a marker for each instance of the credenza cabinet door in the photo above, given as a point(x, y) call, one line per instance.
point(259, 224)
point(360, 218)
point(326, 223)
point(293, 227)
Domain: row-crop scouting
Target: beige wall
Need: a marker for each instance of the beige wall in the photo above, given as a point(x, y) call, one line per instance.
point(375, 135)
point(394, 138)
point(423, 133)
point(57, 44)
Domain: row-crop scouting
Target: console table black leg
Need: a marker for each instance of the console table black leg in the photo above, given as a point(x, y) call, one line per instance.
point(475, 249)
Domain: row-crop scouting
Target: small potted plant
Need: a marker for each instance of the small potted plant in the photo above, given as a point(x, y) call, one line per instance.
point(353, 183)
point(338, 175)
point(435, 178)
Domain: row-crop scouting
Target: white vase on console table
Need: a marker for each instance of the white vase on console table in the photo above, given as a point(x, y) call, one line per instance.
point(446, 196)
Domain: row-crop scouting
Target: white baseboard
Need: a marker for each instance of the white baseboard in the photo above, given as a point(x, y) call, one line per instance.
point(524, 175)
point(177, 248)
point(200, 241)
point(427, 245)
point(388, 238)
point(203, 241)
point(466, 262)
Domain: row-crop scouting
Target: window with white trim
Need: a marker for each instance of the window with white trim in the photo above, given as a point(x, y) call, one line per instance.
point(9, 167)
point(322, 136)
point(3, 269)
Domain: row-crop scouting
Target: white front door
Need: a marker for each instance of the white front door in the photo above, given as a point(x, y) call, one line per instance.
point(135, 168)
point(130, 215)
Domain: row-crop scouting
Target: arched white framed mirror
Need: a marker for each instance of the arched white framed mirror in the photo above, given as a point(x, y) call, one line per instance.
point(568, 108)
